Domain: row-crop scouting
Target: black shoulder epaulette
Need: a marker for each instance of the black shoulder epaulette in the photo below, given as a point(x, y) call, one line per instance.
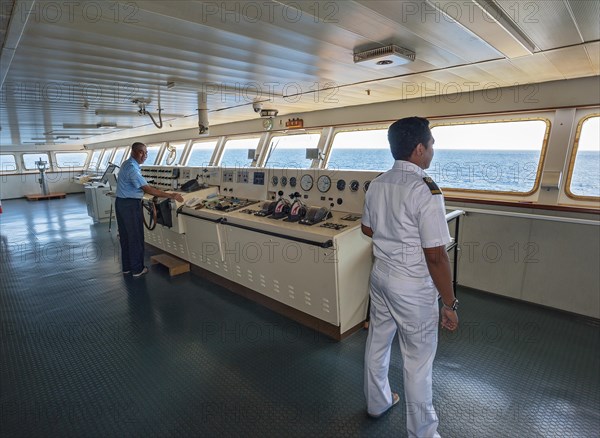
point(435, 190)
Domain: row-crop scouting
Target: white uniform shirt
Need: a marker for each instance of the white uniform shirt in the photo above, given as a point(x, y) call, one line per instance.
point(406, 214)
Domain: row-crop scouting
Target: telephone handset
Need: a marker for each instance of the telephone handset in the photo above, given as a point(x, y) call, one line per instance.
point(192, 202)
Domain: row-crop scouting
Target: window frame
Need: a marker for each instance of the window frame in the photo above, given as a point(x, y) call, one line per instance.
point(356, 128)
point(274, 135)
point(190, 149)
point(179, 157)
point(124, 157)
point(573, 158)
point(111, 152)
point(95, 168)
point(223, 147)
point(35, 169)
point(161, 147)
point(501, 119)
point(10, 172)
point(60, 168)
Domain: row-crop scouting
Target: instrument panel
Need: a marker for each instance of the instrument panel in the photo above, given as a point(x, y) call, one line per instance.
point(335, 189)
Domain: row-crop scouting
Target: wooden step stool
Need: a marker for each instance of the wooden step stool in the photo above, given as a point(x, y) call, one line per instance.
point(176, 266)
point(44, 197)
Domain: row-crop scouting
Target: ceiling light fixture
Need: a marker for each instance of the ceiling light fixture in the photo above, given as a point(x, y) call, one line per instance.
point(102, 125)
point(383, 57)
point(495, 13)
point(220, 89)
point(81, 134)
point(125, 113)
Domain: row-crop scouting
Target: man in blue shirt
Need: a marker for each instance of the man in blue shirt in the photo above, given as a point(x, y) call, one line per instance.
point(131, 186)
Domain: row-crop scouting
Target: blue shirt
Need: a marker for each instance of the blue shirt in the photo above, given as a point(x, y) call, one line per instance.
point(130, 180)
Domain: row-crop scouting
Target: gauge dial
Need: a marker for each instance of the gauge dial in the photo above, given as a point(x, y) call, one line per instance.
point(274, 180)
point(324, 183)
point(267, 124)
point(366, 186)
point(283, 181)
point(306, 182)
point(341, 185)
point(354, 185)
point(293, 181)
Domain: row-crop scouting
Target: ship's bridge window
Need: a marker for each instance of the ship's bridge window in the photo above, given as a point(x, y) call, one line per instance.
point(29, 160)
point(70, 160)
point(170, 158)
point(499, 156)
point(584, 176)
point(367, 150)
point(95, 159)
point(119, 155)
point(153, 151)
point(201, 153)
point(8, 163)
point(235, 152)
point(290, 150)
point(106, 158)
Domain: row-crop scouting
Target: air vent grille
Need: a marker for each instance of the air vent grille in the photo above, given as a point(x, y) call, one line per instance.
point(388, 56)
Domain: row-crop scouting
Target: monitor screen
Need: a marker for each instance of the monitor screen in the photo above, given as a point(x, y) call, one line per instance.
point(109, 171)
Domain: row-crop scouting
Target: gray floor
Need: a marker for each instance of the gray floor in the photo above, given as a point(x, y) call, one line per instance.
point(88, 352)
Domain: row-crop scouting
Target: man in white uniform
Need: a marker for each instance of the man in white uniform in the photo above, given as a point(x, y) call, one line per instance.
point(405, 215)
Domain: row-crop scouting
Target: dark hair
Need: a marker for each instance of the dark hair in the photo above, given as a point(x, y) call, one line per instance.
point(136, 146)
point(405, 134)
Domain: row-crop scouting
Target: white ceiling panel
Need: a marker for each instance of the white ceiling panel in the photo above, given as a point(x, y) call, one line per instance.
point(586, 14)
point(548, 23)
point(571, 62)
point(75, 58)
point(593, 52)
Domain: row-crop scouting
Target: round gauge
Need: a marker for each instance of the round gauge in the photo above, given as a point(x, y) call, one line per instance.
point(341, 185)
point(306, 182)
point(283, 181)
point(267, 124)
point(274, 180)
point(324, 183)
point(354, 185)
point(293, 181)
point(366, 186)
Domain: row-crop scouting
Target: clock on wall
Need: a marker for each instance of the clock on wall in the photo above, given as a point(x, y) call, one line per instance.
point(267, 124)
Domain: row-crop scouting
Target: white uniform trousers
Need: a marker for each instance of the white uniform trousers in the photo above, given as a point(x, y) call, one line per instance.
point(408, 306)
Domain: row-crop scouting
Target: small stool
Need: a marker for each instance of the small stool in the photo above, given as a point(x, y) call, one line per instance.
point(176, 266)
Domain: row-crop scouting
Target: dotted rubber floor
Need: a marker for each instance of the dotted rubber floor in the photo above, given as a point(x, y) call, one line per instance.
point(87, 352)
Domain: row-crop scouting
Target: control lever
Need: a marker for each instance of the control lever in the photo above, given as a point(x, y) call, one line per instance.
point(297, 210)
point(267, 209)
point(282, 208)
point(314, 215)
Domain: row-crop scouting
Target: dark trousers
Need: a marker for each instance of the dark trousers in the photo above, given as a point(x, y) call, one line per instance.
point(131, 233)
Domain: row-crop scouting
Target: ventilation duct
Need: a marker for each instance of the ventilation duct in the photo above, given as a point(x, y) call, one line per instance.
point(384, 57)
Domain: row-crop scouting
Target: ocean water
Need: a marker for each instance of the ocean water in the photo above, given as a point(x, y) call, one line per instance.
point(510, 171)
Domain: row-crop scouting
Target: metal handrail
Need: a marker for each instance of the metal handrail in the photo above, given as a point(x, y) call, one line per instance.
point(454, 215)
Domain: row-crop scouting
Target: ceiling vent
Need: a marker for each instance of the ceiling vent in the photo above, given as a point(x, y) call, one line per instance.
point(384, 57)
